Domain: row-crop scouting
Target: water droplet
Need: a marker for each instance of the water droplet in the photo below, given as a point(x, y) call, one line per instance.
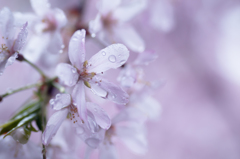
point(9, 90)
point(112, 58)
point(93, 35)
point(57, 96)
point(1, 73)
point(74, 70)
point(113, 96)
point(75, 104)
point(99, 92)
point(63, 46)
point(61, 51)
point(52, 101)
point(103, 53)
point(79, 130)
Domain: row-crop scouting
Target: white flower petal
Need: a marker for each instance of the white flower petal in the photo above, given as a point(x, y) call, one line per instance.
point(128, 76)
point(108, 151)
point(11, 59)
point(67, 74)
point(21, 38)
point(6, 26)
point(41, 7)
point(106, 6)
point(95, 25)
point(55, 44)
point(3, 66)
point(112, 56)
point(53, 124)
point(101, 117)
point(76, 50)
point(97, 90)
point(91, 122)
point(92, 142)
point(128, 11)
point(30, 51)
point(150, 106)
point(145, 58)
point(60, 17)
point(19, 18)
point(78, 97)
point(90, 138)
point(60, 101)
point(114, 92)
point(130, 114)
point(133, 136)
point(130, 38)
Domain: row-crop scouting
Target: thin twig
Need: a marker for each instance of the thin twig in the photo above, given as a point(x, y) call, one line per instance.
point(20, 89)
point(35, 67)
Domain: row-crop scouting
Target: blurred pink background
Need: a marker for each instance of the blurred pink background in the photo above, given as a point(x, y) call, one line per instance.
point(199, 60)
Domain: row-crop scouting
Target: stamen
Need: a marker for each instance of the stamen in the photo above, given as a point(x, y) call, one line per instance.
point(85, 63)
point(87, 84)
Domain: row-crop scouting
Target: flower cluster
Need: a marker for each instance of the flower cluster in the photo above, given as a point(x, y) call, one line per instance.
point(73, 92)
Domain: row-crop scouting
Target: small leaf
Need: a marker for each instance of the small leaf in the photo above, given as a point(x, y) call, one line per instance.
point(39, 122)
point(27, 109)
point(25, 112)
point(22, 123)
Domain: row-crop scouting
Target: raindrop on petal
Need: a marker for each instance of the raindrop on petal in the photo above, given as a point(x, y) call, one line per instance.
point(74, 70)
point(57, 96)
point(112, 58)
point(9, 90)
point(52, 101)
point(103, 53)
point(93, 35)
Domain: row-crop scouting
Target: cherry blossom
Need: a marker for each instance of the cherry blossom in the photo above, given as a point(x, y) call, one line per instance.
point(127, 127)
point(110, 23)
point(11, 44)
point(131, 73)
point(47, 24)
point(87, 72)
point(63, 103)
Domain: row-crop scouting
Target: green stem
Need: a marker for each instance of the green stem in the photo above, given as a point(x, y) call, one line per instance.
point(35, 67)
point(20, 89)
